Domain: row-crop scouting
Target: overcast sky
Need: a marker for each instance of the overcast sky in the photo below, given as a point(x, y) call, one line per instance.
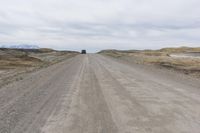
point(100, 24)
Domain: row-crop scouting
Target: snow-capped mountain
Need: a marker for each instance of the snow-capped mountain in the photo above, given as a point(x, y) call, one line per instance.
point(20, 46)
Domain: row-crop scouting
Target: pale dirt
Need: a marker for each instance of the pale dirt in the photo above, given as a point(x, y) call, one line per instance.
point(96, 94)
point(186, 55)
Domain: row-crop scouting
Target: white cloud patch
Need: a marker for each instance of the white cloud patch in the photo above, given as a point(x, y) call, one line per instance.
point(100, 24)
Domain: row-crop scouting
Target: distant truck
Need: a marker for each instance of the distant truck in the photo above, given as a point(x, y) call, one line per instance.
point(83, 52)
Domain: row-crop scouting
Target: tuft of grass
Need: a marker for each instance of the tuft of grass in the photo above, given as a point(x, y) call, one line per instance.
point(19, 78)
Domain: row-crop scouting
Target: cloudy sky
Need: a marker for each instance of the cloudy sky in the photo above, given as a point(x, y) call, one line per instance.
point(100, 24)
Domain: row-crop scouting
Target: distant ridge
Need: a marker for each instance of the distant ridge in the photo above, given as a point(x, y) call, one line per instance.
point(20, 46)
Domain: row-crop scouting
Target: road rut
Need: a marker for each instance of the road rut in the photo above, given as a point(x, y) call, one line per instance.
point(97, 94)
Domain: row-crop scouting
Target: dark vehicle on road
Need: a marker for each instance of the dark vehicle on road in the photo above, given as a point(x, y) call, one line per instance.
point(83, 52)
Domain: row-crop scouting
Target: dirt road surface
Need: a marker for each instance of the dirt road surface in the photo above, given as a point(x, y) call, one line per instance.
point(96, 94)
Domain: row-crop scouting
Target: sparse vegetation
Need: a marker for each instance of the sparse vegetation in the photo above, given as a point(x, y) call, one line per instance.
point(14, 62)
point(162, 58)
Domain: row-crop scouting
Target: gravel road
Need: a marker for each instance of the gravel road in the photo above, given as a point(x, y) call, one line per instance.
point(97, 94)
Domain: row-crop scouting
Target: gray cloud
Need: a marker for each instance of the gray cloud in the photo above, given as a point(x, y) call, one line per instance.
point(95, 25)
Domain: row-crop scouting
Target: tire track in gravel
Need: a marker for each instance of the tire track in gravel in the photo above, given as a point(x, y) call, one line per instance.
point(21, 111)
point(97, 94)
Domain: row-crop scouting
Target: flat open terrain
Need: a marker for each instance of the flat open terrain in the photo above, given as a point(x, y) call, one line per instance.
point(98, 94)
point(183, 59)
point(14, 63)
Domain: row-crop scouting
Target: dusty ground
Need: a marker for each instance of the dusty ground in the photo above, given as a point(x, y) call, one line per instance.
point(97, 94)
point(16, 63)
point(185, 60)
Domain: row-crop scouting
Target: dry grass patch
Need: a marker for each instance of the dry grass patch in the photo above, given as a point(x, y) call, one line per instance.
point(162, 58)
point(16, 62)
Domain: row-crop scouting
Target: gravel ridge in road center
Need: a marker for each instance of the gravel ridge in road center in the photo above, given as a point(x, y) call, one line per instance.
point(95, 94)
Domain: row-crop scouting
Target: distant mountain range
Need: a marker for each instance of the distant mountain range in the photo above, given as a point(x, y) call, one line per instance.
point(20, 46)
